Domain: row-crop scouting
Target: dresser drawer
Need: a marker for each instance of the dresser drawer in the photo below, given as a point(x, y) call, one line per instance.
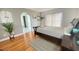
point(67, 42)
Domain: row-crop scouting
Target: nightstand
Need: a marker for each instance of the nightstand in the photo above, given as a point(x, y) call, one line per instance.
point(67, 42)
point(35, 29)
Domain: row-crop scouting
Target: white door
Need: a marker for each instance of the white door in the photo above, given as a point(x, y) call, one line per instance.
point(26, 22)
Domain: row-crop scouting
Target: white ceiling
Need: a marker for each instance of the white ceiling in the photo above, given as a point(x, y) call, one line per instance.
point(41, 9)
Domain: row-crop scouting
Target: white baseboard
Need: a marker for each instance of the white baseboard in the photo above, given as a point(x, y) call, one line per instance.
point(4, 39)
point(7, 38)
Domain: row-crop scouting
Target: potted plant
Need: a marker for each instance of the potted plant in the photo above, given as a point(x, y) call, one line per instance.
point(8, 27)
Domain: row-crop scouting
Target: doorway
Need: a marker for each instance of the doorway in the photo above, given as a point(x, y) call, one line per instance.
point(26, 22)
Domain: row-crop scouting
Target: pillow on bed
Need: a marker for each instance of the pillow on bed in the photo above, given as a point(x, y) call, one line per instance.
point(68, 29)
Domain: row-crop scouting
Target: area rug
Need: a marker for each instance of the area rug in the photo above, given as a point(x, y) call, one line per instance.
point(40, 44)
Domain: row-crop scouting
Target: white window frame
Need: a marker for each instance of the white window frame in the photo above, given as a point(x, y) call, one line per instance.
point(54, 20)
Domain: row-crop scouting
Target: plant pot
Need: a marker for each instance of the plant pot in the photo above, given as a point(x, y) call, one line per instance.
point(11, 36)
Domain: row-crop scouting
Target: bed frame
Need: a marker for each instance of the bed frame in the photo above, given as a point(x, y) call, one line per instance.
point(50, 38)
point(54, 40)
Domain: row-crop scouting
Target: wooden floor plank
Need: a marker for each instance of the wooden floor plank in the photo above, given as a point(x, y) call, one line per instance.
point(20, 43)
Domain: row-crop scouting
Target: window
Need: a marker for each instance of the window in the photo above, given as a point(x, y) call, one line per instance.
point(48, 19)
point(57, 19)
point(54, 20)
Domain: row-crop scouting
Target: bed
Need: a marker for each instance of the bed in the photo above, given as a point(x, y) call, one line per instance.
point(52, 31)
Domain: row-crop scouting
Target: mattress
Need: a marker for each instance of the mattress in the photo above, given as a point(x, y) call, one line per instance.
point(52, 31)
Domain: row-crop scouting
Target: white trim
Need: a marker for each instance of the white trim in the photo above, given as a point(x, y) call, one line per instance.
point(8, 38)
point(19, 34)
point(4, 39)
point(28, 28)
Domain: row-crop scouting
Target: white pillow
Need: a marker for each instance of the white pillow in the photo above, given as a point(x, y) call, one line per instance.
point(68, 29)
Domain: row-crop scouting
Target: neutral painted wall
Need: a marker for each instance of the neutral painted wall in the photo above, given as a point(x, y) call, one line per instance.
point(68, 14)
point(16, 13)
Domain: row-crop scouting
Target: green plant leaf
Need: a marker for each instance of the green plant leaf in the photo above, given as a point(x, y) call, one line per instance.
point(8, 27)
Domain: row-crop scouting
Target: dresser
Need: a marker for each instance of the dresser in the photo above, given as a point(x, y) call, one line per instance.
point(69, 42)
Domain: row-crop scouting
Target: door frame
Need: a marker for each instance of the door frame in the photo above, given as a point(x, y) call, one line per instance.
point(29, 25)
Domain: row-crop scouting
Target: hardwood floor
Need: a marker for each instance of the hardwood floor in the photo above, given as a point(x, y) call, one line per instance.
point(20, 43)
